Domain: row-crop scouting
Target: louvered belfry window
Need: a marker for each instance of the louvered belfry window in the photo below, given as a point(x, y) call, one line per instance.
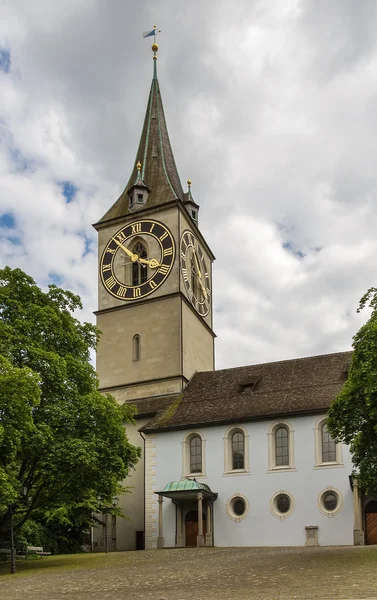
point(195, 454)
point(281, 447)
point(238, 451)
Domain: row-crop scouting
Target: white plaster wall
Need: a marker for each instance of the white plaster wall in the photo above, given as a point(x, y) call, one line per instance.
point(260, 527)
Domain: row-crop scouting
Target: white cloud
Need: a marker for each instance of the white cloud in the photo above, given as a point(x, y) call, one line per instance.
point(271, 113)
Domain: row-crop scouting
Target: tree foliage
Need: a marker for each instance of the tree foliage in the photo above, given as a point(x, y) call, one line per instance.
point(353, 415)
point(60, 438)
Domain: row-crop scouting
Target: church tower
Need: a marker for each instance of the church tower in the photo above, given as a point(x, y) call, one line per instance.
point(154, 293)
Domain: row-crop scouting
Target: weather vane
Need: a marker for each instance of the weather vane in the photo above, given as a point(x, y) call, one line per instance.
point(154, 32)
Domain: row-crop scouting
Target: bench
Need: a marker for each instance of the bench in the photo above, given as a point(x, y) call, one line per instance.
point(36, 550)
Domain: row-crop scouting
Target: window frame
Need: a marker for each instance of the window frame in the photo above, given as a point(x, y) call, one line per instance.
point(186, 457)
point(272, 466)
point(321, 507)
point(228, 451)
point(136, 347)
point(275, 511)
point(318, 455)
point(229, 507)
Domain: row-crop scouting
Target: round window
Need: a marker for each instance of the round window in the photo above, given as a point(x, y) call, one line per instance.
point(283, 503)
point(239, 506)
point(330, 501)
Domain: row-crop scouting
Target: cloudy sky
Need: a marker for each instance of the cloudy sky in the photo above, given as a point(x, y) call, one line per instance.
point(271, 110)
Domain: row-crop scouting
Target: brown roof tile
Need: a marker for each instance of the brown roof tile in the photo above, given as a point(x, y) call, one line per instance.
point(287, 387)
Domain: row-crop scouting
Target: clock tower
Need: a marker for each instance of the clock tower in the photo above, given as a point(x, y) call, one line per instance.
point(154, 296)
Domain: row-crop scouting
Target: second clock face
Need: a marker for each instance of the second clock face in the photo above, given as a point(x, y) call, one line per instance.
point(195, 273)
point(137, 259)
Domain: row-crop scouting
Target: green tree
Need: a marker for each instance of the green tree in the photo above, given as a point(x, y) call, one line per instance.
point(60, 438)
point(353, 414)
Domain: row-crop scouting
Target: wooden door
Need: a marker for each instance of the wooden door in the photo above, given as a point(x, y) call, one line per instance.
point(191, 523)
point(371, 527)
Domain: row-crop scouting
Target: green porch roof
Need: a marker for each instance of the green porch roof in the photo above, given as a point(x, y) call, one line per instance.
point(185, 485)
point(186, 488)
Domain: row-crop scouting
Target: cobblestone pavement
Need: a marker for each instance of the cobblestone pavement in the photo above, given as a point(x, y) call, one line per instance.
point(200, 574)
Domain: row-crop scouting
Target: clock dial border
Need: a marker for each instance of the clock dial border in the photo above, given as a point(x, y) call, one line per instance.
point(131, 293)
point(202, 307)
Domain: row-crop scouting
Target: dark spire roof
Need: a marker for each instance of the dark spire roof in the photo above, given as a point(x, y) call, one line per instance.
point(158, 170)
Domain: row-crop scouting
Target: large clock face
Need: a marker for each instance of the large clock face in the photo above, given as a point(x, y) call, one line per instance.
point(195, 273)
point(137, 259)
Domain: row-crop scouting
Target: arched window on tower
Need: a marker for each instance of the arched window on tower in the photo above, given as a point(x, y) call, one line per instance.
point(136, 347)
point(139, 271)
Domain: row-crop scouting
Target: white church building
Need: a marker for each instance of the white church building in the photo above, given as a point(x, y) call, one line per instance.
point(235, 457)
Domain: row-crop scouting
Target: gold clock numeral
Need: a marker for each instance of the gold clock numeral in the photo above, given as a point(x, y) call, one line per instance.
point(111, 250)
point(163, 269)
point(168, 251)
point(136, 292)
point(184, 272)
point(110, 282)
point(152, 227)
point(163, 237)
point(122, 291)
point(106, 267)
point(136, 227)
point(152, 284)
point(120, 236)
point(183, 256)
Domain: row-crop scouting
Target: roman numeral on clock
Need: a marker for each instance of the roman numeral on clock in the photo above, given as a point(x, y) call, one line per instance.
point(106, 268)
point(122, 291)
point(163, 237)
point(184, 273)
point(136, 292)
point(152, 284)
point(163, 269)
point(168, 251)
point(110, 282)
point(136, 227)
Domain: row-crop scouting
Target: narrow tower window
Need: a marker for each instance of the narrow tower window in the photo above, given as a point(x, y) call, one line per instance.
point(136, 349)
point(139, 271)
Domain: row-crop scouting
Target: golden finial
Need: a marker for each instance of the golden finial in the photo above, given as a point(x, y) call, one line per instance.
point(189, 182)
point(138, 166)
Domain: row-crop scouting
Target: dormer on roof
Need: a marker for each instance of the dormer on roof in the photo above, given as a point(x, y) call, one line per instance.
point(190, 204)
point(138, 192)
point(250, 384)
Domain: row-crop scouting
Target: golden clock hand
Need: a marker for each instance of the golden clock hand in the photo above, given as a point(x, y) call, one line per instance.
point(134, 257)
point(152, 262)
point(197, 265)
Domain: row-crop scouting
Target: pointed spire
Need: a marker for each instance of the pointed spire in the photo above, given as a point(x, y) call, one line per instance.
point(158, 172)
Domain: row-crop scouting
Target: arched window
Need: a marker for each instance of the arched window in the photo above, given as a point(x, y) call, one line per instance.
point(139, 271)
point(196, 454)
point(136, 347)
point(327, 452)
point(238, 450)
point(281, 447)
point(328, 446)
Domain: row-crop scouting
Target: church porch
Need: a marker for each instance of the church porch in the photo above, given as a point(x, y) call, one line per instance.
point(194, 514)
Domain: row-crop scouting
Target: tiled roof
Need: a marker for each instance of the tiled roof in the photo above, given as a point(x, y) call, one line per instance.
point(158, 169)
point(147, 407)
point(269, 390)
